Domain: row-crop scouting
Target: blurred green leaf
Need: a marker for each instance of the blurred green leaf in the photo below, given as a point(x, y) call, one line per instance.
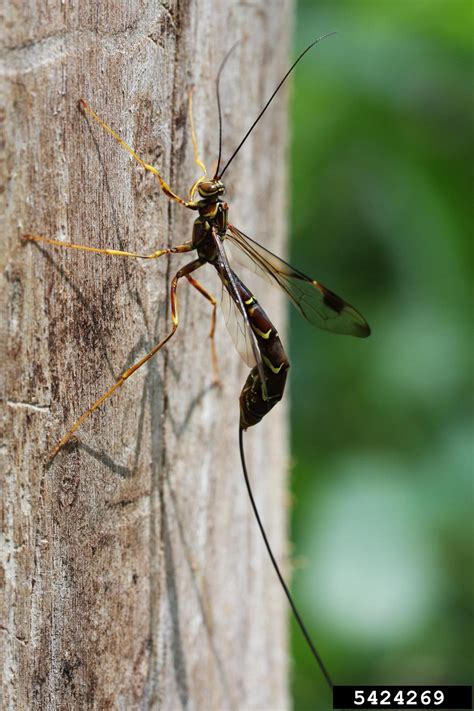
point(382, 429)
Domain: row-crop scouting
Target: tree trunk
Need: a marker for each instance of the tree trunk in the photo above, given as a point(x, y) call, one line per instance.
point(134, 573)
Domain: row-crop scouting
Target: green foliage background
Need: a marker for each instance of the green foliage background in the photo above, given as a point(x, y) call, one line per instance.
point(381, 118)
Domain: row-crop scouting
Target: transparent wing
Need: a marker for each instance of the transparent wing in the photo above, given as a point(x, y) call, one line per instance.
point(239, 331)
point(247, 343)
point(318, 304)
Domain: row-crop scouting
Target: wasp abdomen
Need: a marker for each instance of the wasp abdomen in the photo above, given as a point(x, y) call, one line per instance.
point(253, 404)
point(255, 399)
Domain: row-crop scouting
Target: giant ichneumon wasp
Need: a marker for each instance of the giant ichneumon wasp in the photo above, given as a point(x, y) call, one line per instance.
point(253, 333)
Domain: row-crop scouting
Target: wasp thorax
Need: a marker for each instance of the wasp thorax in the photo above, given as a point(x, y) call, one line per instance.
point(211, 188)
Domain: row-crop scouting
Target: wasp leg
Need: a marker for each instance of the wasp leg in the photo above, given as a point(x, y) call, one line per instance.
point(197, 160)
point(164, 185)
point(187, 247)
point(130, 371)
point(212, 299)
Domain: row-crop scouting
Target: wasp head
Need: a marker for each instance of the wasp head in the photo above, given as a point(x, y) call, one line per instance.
point(211, 188)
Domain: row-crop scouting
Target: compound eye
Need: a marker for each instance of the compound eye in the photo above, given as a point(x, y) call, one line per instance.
point(209, 188)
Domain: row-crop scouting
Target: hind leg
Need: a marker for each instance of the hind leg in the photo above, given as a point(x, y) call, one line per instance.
point(130, 371)
point(213, 301)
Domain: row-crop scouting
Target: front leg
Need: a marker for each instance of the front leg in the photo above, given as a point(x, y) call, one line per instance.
point(186, 247)
point(164, 185)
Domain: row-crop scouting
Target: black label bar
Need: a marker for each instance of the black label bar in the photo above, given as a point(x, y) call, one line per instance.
point(402, 697)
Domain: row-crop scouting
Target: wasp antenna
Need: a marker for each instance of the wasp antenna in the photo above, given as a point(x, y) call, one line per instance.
point(219, 108)
point(300, 622)
point(330, 34)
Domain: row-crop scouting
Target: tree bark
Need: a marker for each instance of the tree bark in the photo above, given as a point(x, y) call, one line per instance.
point(134, 575)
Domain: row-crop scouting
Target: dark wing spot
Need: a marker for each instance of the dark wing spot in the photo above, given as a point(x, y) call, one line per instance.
point(332, 300)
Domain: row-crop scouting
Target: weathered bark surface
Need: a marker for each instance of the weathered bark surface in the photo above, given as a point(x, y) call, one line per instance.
point(134, 575)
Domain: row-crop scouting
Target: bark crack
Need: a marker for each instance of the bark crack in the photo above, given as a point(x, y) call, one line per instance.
point(35, 407)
